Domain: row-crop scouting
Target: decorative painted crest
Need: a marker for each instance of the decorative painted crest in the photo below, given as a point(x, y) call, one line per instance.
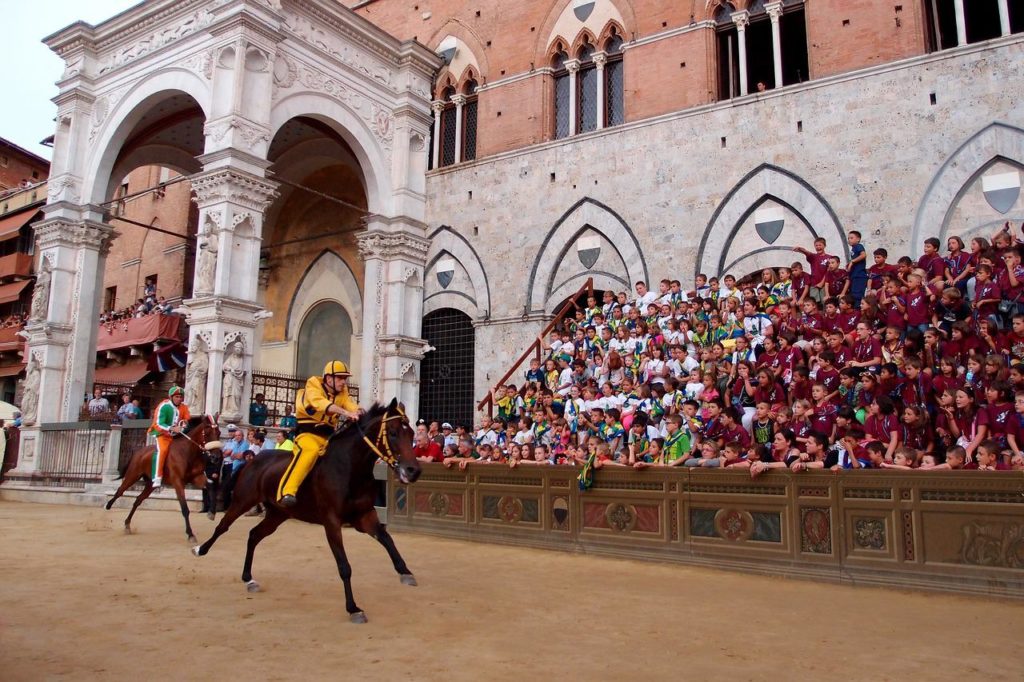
point(769, 223)
point(589, 250)
point(583, 9)
point(445, 272)
point(1001, 190)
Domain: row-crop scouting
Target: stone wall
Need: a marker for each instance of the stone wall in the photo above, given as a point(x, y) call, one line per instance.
point(673, 194)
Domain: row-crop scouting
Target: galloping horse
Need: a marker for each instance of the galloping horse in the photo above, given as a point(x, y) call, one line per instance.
point(340, 489)
point(185, 464)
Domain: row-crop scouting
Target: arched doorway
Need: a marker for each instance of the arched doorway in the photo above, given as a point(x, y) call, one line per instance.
point(446, 374)
point(326, 334)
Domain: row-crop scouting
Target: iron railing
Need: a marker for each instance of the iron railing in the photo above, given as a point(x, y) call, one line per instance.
point(73, 455)
point(134, 434)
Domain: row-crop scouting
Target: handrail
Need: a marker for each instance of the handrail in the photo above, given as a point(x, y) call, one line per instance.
point(536, 345)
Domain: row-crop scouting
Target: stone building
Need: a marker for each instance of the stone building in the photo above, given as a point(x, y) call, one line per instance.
point(430, 182)
point(20, 168)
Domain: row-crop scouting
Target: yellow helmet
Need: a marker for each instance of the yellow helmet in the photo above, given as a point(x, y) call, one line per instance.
point(336, 367)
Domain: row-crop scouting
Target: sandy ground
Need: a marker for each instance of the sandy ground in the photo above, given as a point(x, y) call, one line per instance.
point(81, 600)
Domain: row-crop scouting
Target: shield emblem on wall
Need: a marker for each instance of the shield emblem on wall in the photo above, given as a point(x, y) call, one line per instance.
point(445, 272)
point(769, 223)
point(589, 250)
point(1001, 190)
point(582, 9)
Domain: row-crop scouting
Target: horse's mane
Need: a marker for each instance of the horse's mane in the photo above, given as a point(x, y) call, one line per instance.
point(376, 410)
point(194, 422)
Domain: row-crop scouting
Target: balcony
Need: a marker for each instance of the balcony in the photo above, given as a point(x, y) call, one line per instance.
point(15, 265)
point(139, 332)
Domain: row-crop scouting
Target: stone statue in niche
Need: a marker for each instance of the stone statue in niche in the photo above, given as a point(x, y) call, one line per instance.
point(195, 376)
point(41, 292)
point(234, 381)
point(206, 271)
point(30, 392)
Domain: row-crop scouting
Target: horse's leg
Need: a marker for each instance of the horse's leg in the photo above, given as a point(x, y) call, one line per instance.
point(261, 530)
point(125, 484)
point(179, 490)
point(332, 527)
point(370, 524)
point(239, 505)
point(138, 500)
point(132, 474)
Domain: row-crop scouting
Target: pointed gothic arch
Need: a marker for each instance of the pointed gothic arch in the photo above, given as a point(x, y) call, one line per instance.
point(993, 143)
point(585, 215)
point(328, 278)
point(474, 297)
point(719, 249)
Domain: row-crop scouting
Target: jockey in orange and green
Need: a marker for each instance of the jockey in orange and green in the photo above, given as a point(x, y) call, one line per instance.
point(167, 420)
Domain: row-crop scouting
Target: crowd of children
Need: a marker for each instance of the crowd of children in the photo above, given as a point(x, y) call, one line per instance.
point(916, 365)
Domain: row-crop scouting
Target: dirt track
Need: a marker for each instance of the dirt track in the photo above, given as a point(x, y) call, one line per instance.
point(81, 600)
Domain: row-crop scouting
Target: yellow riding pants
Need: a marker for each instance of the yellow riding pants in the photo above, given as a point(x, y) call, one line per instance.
point(308, 447)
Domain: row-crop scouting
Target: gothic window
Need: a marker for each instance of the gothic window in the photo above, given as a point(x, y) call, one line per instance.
point(447, 372)
point(981, 21)
point(448, 130)
point(615, 102)
point(728, 52)
point(469, 121)
point(561, 107)
point(759, 66)
point(586, 93)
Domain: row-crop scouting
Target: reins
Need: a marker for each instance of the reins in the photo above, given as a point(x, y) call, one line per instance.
point(387, 456)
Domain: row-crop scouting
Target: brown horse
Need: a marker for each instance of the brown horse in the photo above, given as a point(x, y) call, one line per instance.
point(185, 463)
point(339, 489)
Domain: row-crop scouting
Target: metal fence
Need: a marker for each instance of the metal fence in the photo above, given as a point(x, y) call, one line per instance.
point(73, 455)
point(279, 392)
point(133, 437)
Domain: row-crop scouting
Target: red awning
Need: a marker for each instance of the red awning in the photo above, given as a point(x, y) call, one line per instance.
point(12, 224)
point(138, 331)
point(128, 373)
point(12, 292)
point(11, 370)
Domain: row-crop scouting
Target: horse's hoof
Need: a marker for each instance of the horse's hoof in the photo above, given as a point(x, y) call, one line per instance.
point(195, 551)
point(252, 586)
point(192, 540)
point(210, 515)
point(127, 530)
point(358, 617)
point(408, 579)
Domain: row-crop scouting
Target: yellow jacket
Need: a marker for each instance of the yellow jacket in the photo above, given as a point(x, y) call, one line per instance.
point(311, 405)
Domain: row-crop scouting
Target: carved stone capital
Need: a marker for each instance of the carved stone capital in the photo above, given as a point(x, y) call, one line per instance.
point(390, 245)
point(459, 100)
point(227, 184)
point(741, 19)
point(438, 106)
point(73, 234)
point(774, 10)
point(600, 59)
point(572, 65)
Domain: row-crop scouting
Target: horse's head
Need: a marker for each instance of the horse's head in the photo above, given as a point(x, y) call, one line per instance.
point(204, 432)
point(391, 440)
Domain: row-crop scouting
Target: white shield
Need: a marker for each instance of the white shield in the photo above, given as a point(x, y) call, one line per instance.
point(589, 250)
point(582, 9)
point(1001, 190)
point(769, 223)
point(445, 272)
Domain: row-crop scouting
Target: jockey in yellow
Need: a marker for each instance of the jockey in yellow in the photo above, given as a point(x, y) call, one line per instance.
point(318, 408)
point(167, 420)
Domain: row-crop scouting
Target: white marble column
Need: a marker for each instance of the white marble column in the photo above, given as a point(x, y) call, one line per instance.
point(435, 152)
point(394, 251)
point(1004, 18)
point(573, 67)
point(600, 59)
point(742, 19)
point(774, 10)
point(460, 102)
point(961, 22)
point(63, 327)
point(232, 202)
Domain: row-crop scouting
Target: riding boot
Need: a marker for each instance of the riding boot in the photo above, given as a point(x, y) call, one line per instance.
point(303, 459)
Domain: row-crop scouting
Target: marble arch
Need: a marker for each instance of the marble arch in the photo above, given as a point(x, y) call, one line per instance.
point(446, 242)
point(585, 215)
point(718, 248)
point(995, 142)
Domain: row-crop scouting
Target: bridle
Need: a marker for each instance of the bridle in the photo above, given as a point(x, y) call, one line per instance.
point(388, 455)
point(202, 446)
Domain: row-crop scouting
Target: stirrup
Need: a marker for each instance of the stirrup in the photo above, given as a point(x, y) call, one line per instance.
point(288, 501)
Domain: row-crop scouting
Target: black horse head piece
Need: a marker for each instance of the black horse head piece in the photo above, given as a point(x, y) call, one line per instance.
point(384, 444)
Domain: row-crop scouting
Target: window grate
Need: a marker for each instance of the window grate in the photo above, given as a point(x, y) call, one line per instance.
point(562, 106)
point(448, 133)
point(588, 99)
point(615, 102)
point(446, 374)
point(469, 117)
